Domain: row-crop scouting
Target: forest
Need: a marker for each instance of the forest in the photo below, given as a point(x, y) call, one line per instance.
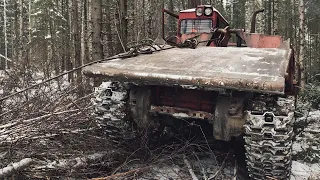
point(55, 36)
point(48, 129)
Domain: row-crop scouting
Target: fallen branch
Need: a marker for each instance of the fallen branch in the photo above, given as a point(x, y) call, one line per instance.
point(76, 162)
point(58, 76)
point(49, 115)
point(11, 168)
point(220, 168)
point(271, 178)
point(235, 169)
point(125, 174)
point(9, 125)
point(201, 166)
point(193, 175)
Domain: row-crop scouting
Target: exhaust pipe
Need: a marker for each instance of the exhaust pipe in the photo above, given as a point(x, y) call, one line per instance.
point(254, 20)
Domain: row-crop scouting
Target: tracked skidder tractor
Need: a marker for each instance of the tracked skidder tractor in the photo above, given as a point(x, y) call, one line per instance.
point(241, 83)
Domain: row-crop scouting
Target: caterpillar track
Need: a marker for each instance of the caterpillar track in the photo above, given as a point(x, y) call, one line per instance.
point(111, 111)
point(268, 138)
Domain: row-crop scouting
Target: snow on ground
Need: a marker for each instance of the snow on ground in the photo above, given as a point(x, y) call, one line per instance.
point(302, 171)
point(306, 148)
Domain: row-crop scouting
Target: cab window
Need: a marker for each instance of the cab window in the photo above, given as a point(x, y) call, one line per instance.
point(189, 26)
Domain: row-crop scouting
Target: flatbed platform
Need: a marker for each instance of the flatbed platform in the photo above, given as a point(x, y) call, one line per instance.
point(244, 69)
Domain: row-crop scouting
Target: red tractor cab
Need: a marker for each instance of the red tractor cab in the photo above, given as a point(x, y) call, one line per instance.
point(200, 21)
point(204, 24)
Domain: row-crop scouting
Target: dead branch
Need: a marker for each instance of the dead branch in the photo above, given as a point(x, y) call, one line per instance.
point(9, 125)
point(58, 76)
point(193, 175)
point(125, 174)
point(235, 169)
point(49, 115)
point(76, 162)
point(11, 168)
point(220, 168)
point(203, 171)
point(271, 178)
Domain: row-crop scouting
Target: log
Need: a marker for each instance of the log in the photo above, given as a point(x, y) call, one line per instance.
point(77, 162)
point(13, 167)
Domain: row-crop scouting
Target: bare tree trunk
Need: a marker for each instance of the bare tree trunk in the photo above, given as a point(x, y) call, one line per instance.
point(96, 16)
point(183, 4)
point(302, 40)
point(172, 26)
point(269, 17)
point(77, 44)
point(193, 3)
point(53, 46)
point(275, 17)
point(20, 36)
point(86, 35)
point(22, 53)
point(69, 64)
point(5, 34)
point(108, 27)
point(29, 31)
point(124, 22)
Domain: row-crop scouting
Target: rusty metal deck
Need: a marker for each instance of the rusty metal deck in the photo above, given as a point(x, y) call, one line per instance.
point(244, 69)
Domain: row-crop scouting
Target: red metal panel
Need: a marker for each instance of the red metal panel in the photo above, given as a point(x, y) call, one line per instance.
point(263, 41)
point(184, 98)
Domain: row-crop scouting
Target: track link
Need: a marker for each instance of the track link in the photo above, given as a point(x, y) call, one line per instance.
point(268, 138)
point(110, 103)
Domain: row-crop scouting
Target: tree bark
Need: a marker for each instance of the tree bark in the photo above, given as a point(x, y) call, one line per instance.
point(20, 3)
point(96, 17)
point(124, 22)
point(269, 17)
point(110, 45)
point(53, 46)
point(5, 35)
point(68, 61)
point(171, 19)
point(275, 17)
point(302, 41)
point(193, 3)
point(86, 35)
point(77, 44)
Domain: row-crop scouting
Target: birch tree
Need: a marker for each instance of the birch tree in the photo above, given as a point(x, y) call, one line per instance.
point(302, 39)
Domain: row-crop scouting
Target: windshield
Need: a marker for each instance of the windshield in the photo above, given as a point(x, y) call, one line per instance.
point(196, 26)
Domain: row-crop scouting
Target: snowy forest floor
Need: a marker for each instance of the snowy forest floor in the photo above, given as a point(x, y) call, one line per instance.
point(51, 133)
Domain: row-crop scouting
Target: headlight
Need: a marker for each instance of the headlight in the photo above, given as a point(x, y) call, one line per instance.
point(199, 12)
point(208, 11)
